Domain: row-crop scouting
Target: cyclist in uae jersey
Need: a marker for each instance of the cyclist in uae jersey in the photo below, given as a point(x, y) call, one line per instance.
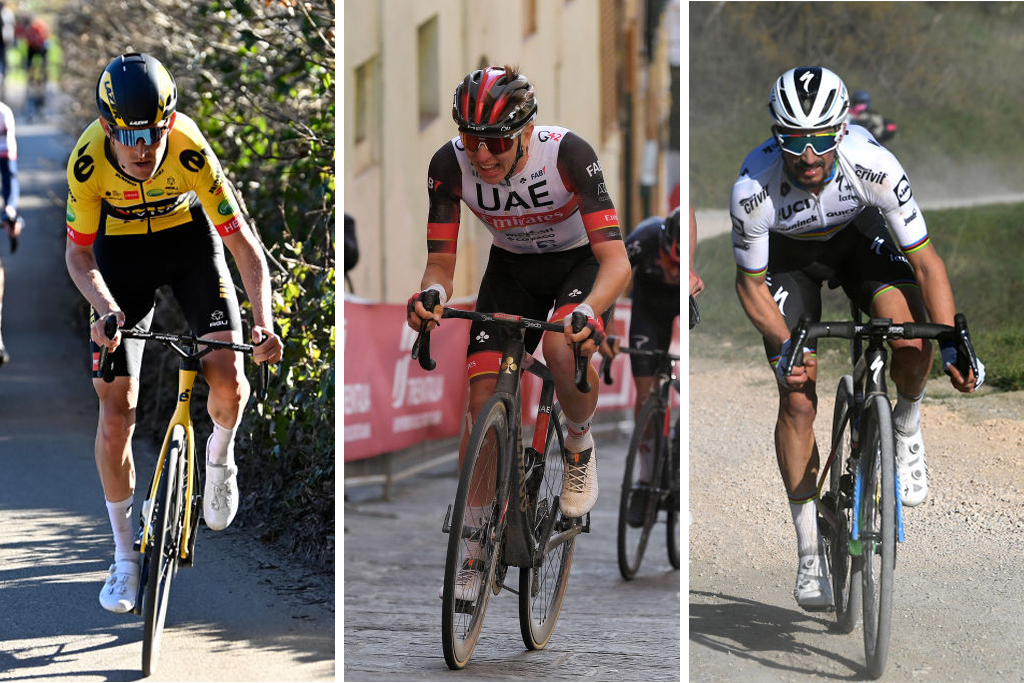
point(812, 205)
point(139, 180)
point(9, 192)
point(556, 244)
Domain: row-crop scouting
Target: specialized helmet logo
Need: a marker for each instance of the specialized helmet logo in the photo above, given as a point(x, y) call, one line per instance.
point(806, 79)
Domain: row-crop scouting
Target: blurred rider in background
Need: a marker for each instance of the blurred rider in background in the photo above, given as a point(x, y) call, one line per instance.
point(861, 114)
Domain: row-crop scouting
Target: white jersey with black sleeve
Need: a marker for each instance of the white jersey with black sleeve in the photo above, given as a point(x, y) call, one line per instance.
point(765, 199)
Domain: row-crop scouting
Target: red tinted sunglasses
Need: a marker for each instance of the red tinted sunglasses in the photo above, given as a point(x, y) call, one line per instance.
point(494, 145)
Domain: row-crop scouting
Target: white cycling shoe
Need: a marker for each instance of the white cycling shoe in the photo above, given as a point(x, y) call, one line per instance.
point(911, 468)
point(813, 591)
point(122, 586)
point(467, 582)
point(579, 483)
point(220, 496)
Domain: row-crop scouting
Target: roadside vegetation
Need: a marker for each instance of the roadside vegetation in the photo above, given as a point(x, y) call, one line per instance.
point(947, 72)
point(984, 255)
point(258, 76)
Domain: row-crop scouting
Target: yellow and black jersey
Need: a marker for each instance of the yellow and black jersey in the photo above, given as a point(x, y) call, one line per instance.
point(100, 193)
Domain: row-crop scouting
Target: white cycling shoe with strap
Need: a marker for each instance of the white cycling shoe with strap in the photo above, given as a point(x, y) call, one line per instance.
point(122, 586)
point(220, 494)
point(911, 468)
point(813, 592)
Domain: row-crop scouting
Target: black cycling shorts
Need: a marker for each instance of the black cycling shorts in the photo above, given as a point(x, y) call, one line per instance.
point(529, 285)
point(862, 257)
point(651, 322)
point(189, 259)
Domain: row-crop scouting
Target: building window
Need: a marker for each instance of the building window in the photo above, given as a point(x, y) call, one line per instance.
point(366, 122)
point(428, 62)
point(529, 18)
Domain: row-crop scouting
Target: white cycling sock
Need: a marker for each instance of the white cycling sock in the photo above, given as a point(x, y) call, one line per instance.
point(220, 450)
point(577, 435)
point(906, 414)
point(120, 514)
point(805, 519)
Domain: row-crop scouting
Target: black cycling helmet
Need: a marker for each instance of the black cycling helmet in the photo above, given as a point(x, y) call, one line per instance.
point(494, 102)
point(670, 235)
point(135, 90)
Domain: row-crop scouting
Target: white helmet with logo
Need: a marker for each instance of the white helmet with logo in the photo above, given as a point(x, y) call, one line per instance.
point(808, 98)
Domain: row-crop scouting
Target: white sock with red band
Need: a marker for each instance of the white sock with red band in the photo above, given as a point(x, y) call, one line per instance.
point(578, 436)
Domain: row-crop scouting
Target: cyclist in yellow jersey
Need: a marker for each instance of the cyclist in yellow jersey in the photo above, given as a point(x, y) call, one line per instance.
point(147, 199)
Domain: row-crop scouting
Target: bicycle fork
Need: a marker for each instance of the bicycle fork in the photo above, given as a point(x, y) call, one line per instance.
point(187, 371)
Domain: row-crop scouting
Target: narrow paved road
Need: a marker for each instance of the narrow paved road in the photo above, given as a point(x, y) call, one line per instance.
point(609, 629)
point(241, 614)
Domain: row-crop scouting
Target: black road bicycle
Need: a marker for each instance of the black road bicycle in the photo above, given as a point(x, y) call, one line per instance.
point(651, 479)
point(506, 510)
point(860, 513)
point(171, 510)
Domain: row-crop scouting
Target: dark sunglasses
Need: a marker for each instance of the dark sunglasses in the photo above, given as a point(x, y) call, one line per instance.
point(494, 145)
point(149, 136)
point(796, 143)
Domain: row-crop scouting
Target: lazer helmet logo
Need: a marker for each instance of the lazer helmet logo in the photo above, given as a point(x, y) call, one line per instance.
point(108, 91)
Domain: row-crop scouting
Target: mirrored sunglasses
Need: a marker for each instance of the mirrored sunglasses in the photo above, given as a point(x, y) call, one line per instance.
point(796, 143)
point(494, 145)
point(149, 136)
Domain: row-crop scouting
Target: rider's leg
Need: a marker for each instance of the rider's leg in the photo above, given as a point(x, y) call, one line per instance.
point(229, 391)
point(797, 455)
point(644, 387)
point(911, 361)
point(117, 475)
point(579, 483)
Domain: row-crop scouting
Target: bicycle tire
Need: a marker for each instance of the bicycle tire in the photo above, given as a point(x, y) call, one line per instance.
point(462, 620)
point(844, 568)
point(164, 547)
point(674, 510)
point(878, 531)
point(632, 540)
point(542, 588)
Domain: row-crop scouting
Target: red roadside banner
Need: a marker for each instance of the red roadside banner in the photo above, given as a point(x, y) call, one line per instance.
point(391, 403)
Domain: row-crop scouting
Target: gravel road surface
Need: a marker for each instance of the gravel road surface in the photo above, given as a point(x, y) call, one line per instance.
point(958, 612)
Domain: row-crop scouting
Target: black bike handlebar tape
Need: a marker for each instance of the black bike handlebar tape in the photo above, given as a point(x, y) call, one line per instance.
point(421, 348)
point(579, 321)
point(106, 362)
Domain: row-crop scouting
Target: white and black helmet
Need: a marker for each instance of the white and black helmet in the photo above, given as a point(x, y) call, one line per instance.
point(808, 98)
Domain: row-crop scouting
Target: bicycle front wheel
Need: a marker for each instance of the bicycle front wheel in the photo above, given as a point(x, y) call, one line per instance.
point(878, 531)
point(672, 526)
point(164, 546)
point(542, 588)
point(474, 538)
point(838, 500)
point(638, 504)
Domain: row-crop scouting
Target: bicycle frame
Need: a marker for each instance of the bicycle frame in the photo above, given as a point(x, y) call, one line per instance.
point(520, 549)
point(188, 368)
point(869, 381)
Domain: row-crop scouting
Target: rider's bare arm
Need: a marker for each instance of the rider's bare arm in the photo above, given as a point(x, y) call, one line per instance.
point(252, 267)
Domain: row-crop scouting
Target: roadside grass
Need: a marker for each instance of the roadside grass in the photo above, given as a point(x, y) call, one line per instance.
point(983, 249)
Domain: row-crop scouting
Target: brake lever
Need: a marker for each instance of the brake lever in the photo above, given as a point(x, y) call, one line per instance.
point(579, 321)
point(106, 361)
